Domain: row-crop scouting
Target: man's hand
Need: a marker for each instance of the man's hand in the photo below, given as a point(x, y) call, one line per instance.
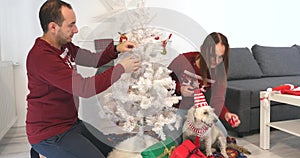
point(130, 64)
point(126, 46)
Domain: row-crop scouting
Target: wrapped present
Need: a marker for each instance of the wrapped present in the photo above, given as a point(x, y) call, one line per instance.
point(161, 149)
point(187, 150)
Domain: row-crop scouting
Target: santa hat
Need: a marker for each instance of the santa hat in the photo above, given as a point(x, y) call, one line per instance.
point(286, 89)
point(282, 87)
point(199, 99)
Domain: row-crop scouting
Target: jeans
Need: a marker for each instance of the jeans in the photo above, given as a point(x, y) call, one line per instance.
point(81, 141)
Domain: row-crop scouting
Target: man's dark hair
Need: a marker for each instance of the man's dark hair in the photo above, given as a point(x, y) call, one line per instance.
point(50, 11)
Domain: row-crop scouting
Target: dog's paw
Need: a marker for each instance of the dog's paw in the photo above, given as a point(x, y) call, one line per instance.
point(209, 154)
point(225, 155)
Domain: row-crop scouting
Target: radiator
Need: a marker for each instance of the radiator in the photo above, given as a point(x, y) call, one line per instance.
point(8, 114)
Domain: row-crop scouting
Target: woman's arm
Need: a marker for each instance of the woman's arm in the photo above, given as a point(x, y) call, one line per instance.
point(217, 101)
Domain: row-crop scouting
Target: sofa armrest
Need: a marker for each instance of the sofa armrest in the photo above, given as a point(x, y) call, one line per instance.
point(238, 101)
point(237, 98)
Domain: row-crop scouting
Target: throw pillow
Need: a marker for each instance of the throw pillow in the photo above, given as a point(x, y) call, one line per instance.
point(242, 65)
point(277, 61)
point(297, 46)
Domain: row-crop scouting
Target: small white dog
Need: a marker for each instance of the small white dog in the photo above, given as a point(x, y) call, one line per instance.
point(201, 121)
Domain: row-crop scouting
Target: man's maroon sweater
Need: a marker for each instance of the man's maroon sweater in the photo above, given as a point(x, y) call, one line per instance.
point(55, 86)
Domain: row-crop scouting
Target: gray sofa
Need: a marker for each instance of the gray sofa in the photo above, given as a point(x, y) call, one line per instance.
point(253, 71)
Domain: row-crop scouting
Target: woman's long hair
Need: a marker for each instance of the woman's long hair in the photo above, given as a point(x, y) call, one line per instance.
point(207, 51)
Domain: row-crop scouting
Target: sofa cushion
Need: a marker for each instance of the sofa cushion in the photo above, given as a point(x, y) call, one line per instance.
point(242, 65)
point(277, 61)
point(254, 86)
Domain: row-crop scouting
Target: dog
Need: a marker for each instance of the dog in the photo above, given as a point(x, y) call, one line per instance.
point(132, 147)
point(201, 121)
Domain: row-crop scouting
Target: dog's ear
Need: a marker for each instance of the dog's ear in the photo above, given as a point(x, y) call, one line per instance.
point(190, 115)
point(213, 109)
point(213, 113)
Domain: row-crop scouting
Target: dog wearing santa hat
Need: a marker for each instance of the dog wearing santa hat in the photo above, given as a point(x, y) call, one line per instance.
point(200, 126)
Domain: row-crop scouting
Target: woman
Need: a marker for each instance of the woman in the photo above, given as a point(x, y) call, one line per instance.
point(208, 71)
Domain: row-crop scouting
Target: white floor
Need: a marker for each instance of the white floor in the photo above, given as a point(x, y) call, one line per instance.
point(283, 145)
point(15, 145)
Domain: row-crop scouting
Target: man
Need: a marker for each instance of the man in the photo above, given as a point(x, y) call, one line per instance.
point(52, 123)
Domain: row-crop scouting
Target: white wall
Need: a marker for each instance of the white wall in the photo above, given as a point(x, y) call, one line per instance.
point(267, 22)
point(19, 27)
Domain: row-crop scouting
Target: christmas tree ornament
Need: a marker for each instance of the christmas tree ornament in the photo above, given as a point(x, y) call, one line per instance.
point(164, 44)
point(123, 37)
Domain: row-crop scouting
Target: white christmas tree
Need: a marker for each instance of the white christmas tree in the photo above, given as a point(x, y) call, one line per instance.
point(144, 98)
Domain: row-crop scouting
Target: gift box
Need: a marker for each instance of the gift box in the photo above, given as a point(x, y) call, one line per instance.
point(187, 150)
point(161, 149)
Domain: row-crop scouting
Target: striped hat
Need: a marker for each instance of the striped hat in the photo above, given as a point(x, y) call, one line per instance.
point(199, 99)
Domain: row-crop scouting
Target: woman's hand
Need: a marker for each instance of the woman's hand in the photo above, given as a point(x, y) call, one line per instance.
point(187, 91)
point(232, 119)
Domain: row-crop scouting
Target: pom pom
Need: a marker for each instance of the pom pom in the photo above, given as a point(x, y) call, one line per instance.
point(269, 89)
